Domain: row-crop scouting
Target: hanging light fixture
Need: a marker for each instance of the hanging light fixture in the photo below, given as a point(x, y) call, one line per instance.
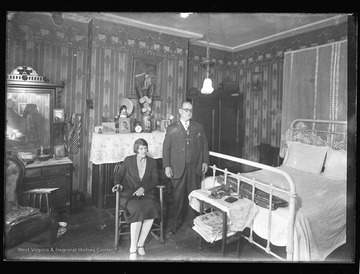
point(207, 85)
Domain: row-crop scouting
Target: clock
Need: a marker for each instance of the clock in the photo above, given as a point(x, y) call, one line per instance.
point(138, 129)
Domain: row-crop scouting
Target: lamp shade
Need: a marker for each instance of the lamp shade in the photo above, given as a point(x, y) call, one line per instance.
point(207, 86)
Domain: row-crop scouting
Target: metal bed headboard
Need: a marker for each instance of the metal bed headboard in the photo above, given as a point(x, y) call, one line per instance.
point(316, 132)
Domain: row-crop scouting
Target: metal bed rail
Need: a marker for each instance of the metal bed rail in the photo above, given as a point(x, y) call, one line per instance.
point(291, 192)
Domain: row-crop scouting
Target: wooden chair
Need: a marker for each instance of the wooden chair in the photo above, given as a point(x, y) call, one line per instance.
point(27, 213)
point(123, 228)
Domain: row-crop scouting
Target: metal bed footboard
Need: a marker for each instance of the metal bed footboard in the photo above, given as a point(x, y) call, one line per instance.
point(291, 192)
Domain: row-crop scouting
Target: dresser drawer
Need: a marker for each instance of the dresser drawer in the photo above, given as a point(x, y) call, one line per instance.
point(55, 170)
point(33, 172)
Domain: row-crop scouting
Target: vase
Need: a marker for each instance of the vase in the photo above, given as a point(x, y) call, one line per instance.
point(146, 123)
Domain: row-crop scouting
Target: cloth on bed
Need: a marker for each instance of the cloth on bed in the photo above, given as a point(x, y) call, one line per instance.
point(320, 223)
point(261, 198)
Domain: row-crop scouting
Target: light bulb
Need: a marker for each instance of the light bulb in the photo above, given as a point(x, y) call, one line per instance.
point(207, 86)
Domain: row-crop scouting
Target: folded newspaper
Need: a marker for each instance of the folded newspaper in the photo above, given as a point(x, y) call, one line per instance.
point(209, 226)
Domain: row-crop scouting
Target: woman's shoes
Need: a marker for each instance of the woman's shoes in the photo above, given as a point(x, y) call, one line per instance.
point(133, 256)
point(141, 250)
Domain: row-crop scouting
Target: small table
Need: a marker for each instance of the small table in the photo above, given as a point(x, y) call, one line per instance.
point(241, 213)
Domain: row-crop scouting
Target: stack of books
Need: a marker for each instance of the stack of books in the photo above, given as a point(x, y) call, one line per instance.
point(209, 226)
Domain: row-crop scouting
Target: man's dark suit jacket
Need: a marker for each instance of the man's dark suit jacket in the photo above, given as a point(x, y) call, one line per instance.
point(174, 147)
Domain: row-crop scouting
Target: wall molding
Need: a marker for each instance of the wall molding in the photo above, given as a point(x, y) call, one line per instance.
point(196, 38)
point(296, 31)
point(134, 23)
point(293, 32)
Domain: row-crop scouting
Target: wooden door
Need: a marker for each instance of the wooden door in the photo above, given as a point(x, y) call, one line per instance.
point(231, 129)
point(206, 112)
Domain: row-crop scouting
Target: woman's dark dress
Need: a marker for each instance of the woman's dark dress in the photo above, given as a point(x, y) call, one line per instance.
point(138, 208)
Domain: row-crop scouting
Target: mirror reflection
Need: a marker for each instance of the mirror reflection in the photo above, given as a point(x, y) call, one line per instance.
point(28, 120)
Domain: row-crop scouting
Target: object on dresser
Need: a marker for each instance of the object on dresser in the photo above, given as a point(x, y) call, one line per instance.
point(138, 127)
point(126, 125)
point(125, 109)
point(26, 157)
point(42, 156)
point(123, 125)
point(59, 115)
point(59, 151)
point(108, 127)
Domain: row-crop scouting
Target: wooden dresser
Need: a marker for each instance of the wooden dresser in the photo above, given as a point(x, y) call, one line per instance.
point(50, 174)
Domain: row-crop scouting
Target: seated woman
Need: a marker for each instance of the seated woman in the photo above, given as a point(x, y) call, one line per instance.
point(138, 178)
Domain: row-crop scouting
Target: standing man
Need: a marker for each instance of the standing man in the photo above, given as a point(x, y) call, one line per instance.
point(185, 159)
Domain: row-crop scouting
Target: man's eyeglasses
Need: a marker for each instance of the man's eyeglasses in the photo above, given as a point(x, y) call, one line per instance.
point(187, 109)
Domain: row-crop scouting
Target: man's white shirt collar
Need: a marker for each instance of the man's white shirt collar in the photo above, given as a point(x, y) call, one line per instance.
point(183, 122)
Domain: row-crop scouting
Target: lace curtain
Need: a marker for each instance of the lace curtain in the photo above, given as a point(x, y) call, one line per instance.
point(314, 85)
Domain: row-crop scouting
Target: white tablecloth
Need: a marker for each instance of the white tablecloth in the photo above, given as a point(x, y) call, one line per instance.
point(114, 147)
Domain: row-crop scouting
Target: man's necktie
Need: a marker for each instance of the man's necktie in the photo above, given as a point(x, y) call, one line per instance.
point(186, 125)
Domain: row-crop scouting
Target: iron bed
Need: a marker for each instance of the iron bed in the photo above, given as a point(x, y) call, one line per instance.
point(312, 181)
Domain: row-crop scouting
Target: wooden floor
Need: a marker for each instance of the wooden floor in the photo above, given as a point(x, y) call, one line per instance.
point(90, 237)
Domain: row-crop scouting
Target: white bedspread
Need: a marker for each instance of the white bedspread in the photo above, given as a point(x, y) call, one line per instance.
point(320, 224)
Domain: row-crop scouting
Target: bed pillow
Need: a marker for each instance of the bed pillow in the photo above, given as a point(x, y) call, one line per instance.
point(336, 164)
point(304, 157)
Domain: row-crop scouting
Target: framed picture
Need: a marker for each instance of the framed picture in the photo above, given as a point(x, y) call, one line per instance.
point(59, 151)
point(146, 77)
point(125, 125)
point(58, 115)
point(164, 124)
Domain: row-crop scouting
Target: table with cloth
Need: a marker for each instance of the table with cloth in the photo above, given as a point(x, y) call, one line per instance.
point(113, 147)
point(236, 216)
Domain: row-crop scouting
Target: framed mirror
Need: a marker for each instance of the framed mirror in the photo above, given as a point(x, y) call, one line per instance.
point(30, 102)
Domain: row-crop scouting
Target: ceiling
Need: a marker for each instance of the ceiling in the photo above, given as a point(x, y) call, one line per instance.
point(227, 31)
